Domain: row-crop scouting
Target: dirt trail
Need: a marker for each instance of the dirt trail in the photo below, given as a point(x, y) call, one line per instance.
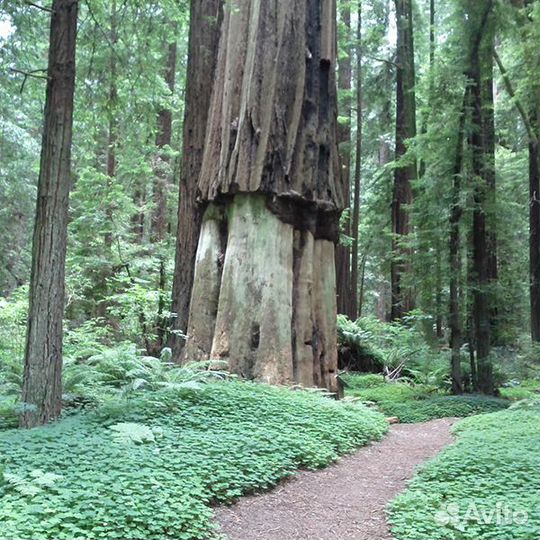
point(344, 501)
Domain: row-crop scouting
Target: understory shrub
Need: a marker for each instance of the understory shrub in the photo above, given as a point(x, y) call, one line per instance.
point(417, 402)
point(150, 466)
point(483, 487)
point(441, 407)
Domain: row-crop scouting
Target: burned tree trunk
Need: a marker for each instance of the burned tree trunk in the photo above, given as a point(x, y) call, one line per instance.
point(264, 290)
point(42, 380)
point(402, 296)
point(205, 23)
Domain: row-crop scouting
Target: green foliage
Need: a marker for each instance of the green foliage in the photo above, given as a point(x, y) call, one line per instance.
point(151, 466)
point(418, 402)
point(358, 340)
point(422, 410)
point(493, 465)
point(516, 390)
point(393, 345)
point(392, 391)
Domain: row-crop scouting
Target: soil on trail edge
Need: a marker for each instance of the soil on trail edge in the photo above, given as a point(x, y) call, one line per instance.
point(344, 501)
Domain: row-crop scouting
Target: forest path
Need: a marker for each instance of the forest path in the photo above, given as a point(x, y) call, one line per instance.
point(346, 500)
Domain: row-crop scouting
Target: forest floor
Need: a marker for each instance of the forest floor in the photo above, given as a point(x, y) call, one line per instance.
point(344, 501)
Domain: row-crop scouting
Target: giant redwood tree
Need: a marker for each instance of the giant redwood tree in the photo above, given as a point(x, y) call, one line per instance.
point(404, 173)
point(204, 31)
point(42, 382)
point(264, 288)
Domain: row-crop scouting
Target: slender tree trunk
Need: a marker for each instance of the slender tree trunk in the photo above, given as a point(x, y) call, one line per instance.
point(112, 121)
point(438, 291)
point(110, 153)
point(204, 32)
point(532, 126)
point(456, 211)
point(162, 176)
point(534, 212)
point(438, 247)
point(343, 253)
point(533, 129)
point(402, 294)
point(264, 293)
point(42, 379)
point(357, 168)
point(534, 230)
point(162, 183)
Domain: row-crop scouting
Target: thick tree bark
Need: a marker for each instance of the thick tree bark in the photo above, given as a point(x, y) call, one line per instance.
point(205, 24)
point(402, 294)
point(357, 169)
point(343, 253)
point(42, 379)
point(264, 296)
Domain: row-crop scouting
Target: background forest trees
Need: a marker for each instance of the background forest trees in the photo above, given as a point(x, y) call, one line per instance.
point(438, 134)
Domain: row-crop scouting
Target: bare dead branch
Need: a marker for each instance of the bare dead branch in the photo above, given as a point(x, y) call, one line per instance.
point(31, 73)
point(43, 8)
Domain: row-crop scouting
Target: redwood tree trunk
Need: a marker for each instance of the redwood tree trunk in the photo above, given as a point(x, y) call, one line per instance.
point(483, 235)
point(534, 237)
point(264, 293)
point(162, 183)
point(357, 169)
point(205, 24)
point(42, 380)
point(343, 252)
point(402, 295)
point(162, 176)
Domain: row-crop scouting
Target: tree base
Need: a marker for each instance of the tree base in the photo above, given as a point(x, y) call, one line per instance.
point(263, 297)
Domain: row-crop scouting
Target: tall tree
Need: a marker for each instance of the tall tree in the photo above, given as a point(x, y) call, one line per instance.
point(345, 292)
point(204, 31)
point(534, 203)
point(42, 379)
point(402, 295)
point(160, 190)
point(357, 167)
point(482, 141)
point(162, 176)
point(264, 290)
point(476, 27)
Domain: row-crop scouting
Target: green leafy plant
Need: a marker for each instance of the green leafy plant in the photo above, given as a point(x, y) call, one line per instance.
point(493, 466)
point(152, 465)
